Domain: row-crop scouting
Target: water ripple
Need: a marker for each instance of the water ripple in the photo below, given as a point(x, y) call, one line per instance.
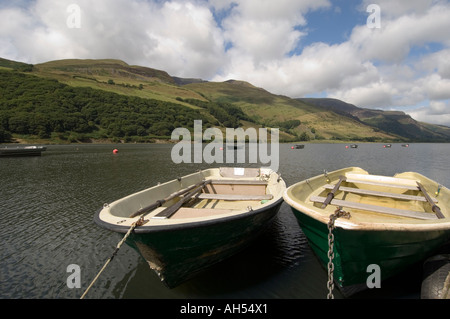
point(47, 206)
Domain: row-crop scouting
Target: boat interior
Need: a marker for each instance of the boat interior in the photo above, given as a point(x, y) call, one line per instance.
point(223, 196)
point(208, 193)
point(374, 198)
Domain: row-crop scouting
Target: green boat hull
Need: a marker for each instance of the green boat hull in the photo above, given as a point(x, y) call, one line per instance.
point(177, 254)
point(355, 250)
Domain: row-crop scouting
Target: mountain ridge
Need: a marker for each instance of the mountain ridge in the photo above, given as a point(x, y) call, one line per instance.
point(395, 122)
point(237, 102)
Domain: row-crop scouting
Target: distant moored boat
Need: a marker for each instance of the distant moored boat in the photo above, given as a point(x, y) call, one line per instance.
point(22, 150)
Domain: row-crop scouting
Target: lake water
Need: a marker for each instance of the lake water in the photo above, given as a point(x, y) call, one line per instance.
point(47, 205)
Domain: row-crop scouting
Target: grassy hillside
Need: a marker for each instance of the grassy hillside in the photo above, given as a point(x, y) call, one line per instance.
point(272, 110)
point(18, 66)
point(36, 107)
point(261, 107)
point(116, 76)
point(83, 86)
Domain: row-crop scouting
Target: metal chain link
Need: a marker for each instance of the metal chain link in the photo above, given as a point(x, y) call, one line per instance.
point(330, 284)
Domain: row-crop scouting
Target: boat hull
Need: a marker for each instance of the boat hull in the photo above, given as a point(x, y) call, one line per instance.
point(355, 250)
point(179, 254)
point(191, 223)
point(390, 225)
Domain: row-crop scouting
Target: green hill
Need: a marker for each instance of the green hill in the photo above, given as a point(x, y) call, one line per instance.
point(32, 106)
point(300, 120)
point(81, 100)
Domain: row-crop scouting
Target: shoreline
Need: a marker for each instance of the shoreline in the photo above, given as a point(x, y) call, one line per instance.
point(21, 141)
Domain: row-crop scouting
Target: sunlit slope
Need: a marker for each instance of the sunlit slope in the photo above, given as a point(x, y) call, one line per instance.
point(298, 119)
point(271, 110)
point(118, 77)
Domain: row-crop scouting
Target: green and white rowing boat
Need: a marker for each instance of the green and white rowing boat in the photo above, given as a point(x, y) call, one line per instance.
point(391, 222)
point(190, 223)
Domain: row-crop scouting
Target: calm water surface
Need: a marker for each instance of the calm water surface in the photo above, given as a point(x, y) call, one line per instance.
point(46, 219)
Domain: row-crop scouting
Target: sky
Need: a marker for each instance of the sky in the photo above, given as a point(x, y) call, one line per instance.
point(380, 54)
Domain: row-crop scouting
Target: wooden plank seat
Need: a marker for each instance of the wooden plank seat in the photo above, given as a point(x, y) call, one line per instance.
point(233, 196)
point(378, 193)
point(375, 208)
point(384, 181)
point(237, 182)
point(188, 212)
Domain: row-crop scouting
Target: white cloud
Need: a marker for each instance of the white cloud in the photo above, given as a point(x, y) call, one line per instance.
point(437, 112)
point(436, 87)
point(403, 64)
point(438, 62)
point(392, 9)
point(396, 37)
point(265, 30)
point(374, 68)
point(187, 41)
point(370, 96)
point(179, 37)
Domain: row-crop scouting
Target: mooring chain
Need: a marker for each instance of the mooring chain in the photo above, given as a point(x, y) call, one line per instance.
point(330, 284)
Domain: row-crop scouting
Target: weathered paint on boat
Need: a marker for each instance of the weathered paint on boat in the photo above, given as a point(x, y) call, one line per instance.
point(391, 242)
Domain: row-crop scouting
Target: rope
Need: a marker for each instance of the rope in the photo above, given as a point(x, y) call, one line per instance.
point(133, 226)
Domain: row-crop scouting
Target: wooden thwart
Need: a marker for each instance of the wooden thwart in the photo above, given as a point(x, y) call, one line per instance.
point(234, 197)
point(237, 182)
point(375, 208)
point(384, 181)
point(162, 201)
point(378, 193)
point(169, 211)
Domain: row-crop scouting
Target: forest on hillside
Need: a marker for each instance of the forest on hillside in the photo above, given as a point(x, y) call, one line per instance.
point(46, 108)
